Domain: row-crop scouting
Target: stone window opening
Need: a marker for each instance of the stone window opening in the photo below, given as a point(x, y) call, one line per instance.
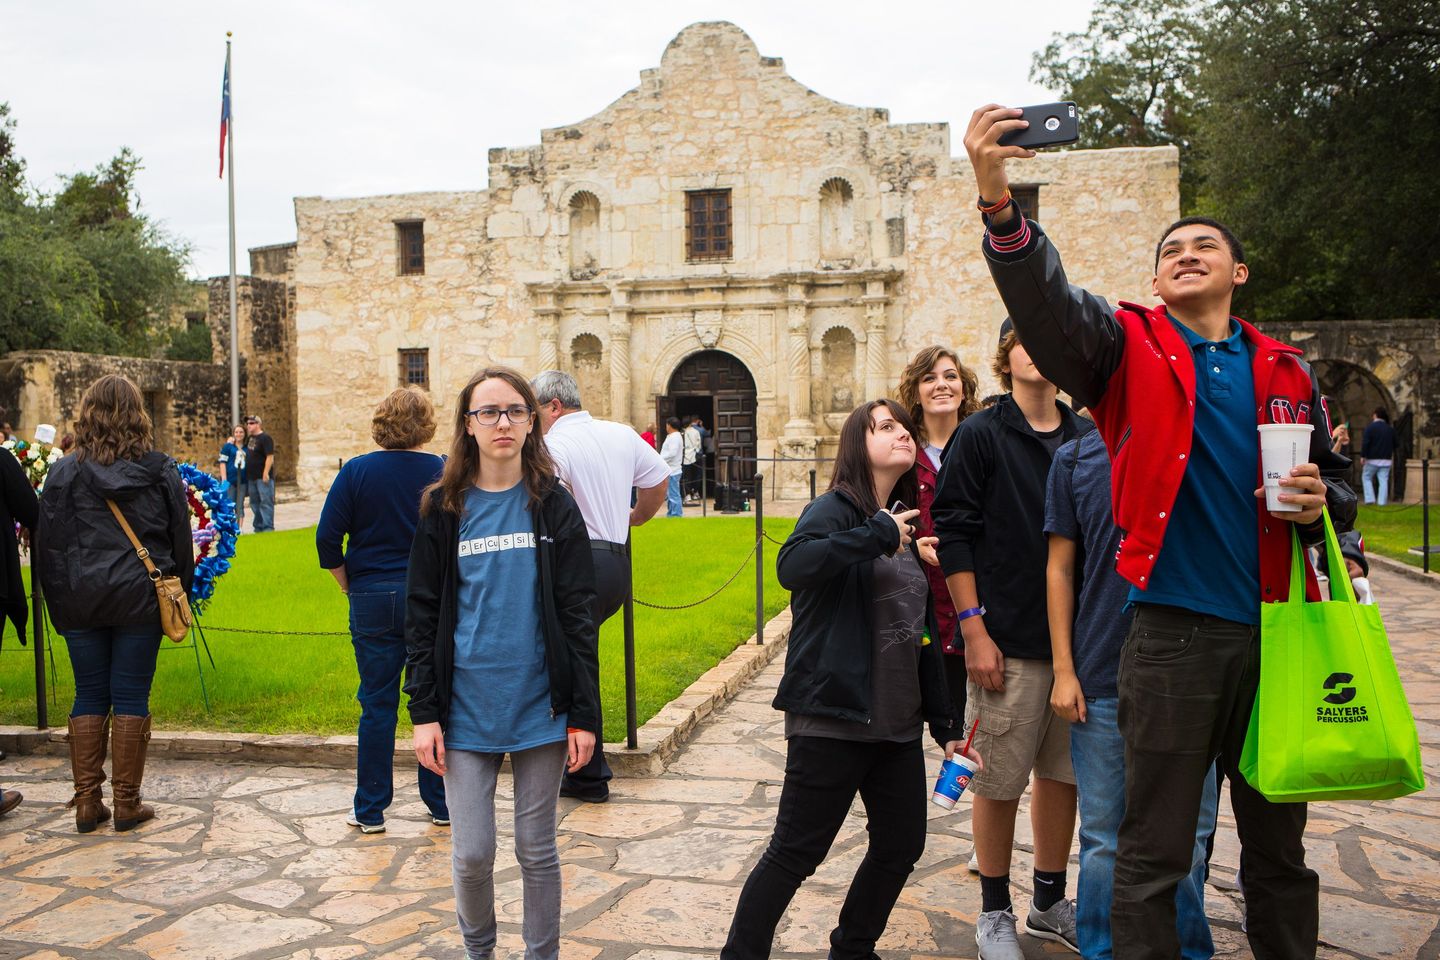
point(837, 219)
point(410, 247)
point(415, 367)
point(837, 364)
point(709, 231)
point(587, 365)
point(1027, 198)
point(584, 235)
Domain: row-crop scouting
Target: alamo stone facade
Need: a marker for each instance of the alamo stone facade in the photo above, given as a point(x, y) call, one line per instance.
point(719, 240)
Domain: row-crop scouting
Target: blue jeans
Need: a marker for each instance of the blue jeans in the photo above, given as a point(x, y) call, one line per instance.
point(237, 497)
point(1097, 753)
point(262, 503)
point(674, 507)
point(377, 630)
point(1375, 477)
point(114, 668)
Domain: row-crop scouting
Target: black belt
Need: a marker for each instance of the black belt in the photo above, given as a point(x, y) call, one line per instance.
point(616, 548)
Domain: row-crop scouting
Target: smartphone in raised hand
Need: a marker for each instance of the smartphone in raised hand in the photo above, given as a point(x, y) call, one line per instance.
point(1051, 124)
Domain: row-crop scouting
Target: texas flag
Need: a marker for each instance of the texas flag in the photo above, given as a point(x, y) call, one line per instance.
point(224, 109)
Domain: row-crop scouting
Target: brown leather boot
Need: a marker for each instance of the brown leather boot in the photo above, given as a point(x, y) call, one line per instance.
point(129, 739)
point(88, 736)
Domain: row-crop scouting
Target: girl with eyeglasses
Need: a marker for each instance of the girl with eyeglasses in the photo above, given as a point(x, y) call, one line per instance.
point(502, 650)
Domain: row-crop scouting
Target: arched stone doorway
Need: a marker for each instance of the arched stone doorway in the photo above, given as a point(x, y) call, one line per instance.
point(717, 387)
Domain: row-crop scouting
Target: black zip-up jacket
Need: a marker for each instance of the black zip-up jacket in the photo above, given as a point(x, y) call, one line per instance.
point(567, 593)
point(17, 505)
point(825, 564)
point(88, 569)
point(989, 514)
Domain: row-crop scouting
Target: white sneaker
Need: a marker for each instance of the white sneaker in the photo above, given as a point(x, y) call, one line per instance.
point(995, 936)
point(366, 827)
point(974, 865)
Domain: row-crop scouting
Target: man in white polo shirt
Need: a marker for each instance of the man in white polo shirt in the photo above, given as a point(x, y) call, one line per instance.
point(600, 462)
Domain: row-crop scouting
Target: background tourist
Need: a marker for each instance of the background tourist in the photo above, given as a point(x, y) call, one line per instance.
point(99, 593)
point(938, 391)
point(673, 453)
point(859, 600)
point(692, 457)
point(259, 474)
point(1377, 455)
point(232, 470)
point(600, 463)
point(18, 507)
point(375, 503)
point(648, 435)
point(502, 650)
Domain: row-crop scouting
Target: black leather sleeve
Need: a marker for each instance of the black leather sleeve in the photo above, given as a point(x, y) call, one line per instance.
point(423, 591)
point(1070, 333)
point(574, 605)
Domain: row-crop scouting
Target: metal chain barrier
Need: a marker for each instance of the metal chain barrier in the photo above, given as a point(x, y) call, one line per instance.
point(686, 606)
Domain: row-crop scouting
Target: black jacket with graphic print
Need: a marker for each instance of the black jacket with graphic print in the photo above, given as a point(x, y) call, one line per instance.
point(567, 593)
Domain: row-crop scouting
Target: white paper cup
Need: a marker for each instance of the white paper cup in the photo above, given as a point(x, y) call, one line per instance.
point(1283, 447)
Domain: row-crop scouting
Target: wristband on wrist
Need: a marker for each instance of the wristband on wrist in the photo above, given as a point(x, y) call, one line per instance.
point(972, 612)
point(573, 730)
point(990, 209)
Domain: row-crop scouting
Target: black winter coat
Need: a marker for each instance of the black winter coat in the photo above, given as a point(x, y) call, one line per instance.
point(17, 505)
point(989, 513)
point(826, 565)
point(88, 569)
point(567, 595)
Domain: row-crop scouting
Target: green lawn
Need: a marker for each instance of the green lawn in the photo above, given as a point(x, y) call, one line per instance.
point(1393, 529)
point(293, 683)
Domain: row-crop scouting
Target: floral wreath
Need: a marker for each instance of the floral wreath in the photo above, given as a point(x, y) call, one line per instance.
point(35, 458)
point(213, 530)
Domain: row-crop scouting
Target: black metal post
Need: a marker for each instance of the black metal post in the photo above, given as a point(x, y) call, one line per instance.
point(732, 493)
point(760, 558)
point(37, 624)
point(812, 483)
point(1425, 512)
point(704, 492)
point(630, 713)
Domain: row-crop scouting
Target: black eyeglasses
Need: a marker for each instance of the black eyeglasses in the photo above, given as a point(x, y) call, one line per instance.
point(518, 414)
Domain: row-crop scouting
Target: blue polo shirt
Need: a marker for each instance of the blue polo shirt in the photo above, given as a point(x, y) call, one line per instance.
point(1210, 559)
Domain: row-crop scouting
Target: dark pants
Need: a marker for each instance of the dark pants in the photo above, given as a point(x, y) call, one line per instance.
point(690, 479)
point(114, 667)
point(612, 586)
point(1187, 684)
point(377, 631)
point(822, 777)
point(957, 680)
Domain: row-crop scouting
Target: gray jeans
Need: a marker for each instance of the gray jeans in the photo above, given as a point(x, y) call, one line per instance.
point(470, 793)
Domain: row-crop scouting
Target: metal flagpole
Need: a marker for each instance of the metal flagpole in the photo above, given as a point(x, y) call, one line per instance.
point(234, 312)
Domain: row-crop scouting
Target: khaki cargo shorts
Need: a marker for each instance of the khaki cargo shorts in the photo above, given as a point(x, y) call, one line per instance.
point(1018, 732)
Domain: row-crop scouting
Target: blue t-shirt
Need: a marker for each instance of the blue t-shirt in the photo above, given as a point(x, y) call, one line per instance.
point(500, 691)
point(234, 472)
point(375, 503)
point(1077, 507)
point(1210, 559)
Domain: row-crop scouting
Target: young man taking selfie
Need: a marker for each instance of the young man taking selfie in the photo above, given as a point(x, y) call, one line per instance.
point(1177, 391)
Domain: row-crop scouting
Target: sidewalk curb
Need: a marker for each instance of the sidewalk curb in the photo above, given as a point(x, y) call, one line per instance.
point(1404, 569)
point(658, 739)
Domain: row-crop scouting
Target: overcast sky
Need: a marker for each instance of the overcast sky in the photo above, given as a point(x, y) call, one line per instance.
point(368, 97)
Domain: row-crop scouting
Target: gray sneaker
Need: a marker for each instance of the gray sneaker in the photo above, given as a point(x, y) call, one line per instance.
point(1057, 923)
point(995, 936)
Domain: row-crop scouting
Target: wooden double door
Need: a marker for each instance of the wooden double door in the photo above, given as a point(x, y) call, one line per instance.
point(719, 389)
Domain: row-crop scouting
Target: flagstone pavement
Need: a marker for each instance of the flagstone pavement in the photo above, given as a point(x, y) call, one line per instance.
point(257, 862)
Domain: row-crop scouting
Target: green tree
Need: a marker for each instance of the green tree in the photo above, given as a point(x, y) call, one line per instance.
point(1320, 138)
point(1132, 75)
point(85, 269)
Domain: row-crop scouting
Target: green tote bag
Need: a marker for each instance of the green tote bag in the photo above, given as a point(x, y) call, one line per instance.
point(1331, 721)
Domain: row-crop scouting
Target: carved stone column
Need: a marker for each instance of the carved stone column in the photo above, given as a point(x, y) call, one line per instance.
point(619, 357)
point(548, 323)
point(798, 328)
point(877, 341)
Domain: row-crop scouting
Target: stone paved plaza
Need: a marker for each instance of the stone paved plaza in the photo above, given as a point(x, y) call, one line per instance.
point(250, 861)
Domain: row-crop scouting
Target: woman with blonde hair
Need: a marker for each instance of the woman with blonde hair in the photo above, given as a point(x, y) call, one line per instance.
point(502, 650)
point(100, 596)
point(375, 501)
point(938, 391)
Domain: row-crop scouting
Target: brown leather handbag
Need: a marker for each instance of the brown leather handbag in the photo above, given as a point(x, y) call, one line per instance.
point(175, 613)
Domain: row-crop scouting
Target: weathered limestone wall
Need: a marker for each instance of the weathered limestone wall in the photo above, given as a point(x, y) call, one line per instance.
point(45, 386)
point(265, 324)
point(856, 243)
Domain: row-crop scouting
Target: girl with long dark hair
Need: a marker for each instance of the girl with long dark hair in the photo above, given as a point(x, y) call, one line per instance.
point(861, 681)
point(502, 650)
